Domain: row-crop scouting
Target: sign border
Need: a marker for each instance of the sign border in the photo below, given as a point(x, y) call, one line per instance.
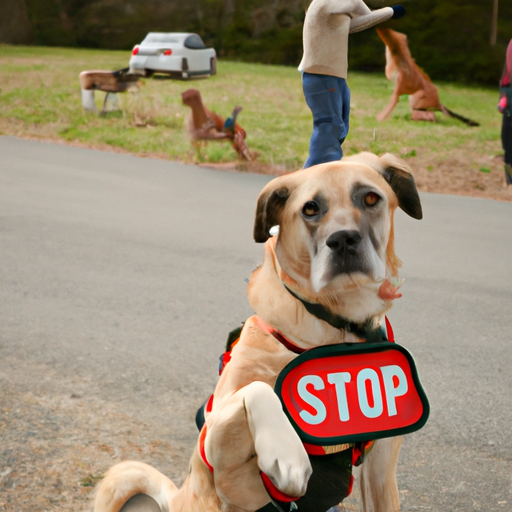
point(341, 349)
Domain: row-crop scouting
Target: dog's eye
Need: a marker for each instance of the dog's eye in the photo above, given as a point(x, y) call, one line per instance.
point(311, 209)
point(371, 199)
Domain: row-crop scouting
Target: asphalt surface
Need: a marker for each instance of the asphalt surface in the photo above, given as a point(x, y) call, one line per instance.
point(124, 275)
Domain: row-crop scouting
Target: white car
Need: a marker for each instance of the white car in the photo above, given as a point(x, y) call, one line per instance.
point(174, 53)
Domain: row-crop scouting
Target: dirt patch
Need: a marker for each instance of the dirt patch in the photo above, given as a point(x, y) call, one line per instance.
point(461, 174)
point(57, 444)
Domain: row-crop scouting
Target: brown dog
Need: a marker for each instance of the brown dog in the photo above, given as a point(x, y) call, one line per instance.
point(334, 250)
point(411, 80)
point(203, 124)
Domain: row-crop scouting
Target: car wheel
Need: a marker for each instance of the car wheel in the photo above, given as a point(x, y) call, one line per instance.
point(213, 66)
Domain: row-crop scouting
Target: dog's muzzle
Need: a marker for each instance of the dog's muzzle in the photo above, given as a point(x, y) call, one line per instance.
point(342, 241)
point(346, 252)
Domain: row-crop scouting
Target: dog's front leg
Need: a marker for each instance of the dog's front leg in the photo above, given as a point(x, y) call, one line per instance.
point(393, 101)
point(248, 432)
point(379, 489)
point(281, 454)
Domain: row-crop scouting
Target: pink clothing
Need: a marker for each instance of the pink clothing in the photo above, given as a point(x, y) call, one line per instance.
point(507, 69)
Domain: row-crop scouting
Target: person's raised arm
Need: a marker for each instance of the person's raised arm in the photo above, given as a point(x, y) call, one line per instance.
point(364, 18)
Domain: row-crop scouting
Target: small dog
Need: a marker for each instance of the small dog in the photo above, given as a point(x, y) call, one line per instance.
point(412, 80)
point(334, 250)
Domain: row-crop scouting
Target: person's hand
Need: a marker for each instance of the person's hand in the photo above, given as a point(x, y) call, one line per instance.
point(502, 105)
point(398, 11)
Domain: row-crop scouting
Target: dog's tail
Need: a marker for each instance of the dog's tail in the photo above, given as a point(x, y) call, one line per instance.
point(465, 120)
point(128, 479)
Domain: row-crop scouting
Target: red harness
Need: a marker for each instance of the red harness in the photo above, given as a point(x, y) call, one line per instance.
point(359, 450)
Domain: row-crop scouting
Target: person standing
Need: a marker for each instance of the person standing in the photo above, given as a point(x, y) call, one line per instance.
point(324, 69)
point(505, 107)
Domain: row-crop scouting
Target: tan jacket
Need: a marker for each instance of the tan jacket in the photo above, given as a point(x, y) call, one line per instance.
point(326, 28)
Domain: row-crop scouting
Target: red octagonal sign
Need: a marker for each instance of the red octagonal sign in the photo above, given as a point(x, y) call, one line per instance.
point(348, 393)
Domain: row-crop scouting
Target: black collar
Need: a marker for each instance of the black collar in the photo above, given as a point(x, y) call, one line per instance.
point(365, 331)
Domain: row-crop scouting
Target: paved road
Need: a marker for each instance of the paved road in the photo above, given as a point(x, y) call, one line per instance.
point(121, 277)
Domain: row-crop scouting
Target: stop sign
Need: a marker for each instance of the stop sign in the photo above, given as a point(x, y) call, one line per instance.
point(348, 393)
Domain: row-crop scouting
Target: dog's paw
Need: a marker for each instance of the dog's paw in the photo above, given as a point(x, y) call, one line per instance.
point(288, 476)
point(281, 454)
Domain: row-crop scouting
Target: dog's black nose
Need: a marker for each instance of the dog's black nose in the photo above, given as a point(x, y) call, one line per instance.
point(344, 240)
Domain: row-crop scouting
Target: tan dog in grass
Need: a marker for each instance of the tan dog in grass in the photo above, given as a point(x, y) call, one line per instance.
point(412, 80)
point(334, 249)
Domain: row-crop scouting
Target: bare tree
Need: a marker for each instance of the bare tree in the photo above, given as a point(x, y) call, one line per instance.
point(494, 23)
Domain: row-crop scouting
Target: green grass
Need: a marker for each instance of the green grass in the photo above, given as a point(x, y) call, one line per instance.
point(40, 97)
point(90, 480)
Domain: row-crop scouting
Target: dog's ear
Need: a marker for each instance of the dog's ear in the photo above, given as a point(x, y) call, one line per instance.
point(270, 205)
point(397, 173)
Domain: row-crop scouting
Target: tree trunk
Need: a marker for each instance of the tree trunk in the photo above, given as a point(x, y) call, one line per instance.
point(14, 24)
point(494, 23)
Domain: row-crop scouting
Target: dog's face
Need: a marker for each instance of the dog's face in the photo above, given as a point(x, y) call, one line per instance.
point(336, 221)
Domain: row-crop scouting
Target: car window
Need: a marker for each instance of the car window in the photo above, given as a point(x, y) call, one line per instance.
point(194, 42)
point(160, 38)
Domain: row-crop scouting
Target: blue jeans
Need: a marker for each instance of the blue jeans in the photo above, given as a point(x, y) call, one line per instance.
point(328, 97)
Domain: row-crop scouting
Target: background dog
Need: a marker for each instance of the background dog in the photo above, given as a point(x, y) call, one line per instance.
point(335, 252)
point(412, 80)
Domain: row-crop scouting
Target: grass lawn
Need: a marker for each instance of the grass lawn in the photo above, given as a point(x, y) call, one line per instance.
point(40, 98)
